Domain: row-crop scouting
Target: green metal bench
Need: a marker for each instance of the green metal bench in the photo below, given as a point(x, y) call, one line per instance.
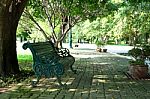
point(49, 61)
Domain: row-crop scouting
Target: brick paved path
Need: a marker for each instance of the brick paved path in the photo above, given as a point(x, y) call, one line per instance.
point(100, 76)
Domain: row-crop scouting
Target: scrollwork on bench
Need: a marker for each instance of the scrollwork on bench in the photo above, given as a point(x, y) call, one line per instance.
point(49, 61)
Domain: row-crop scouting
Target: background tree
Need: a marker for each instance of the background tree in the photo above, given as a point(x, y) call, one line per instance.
point(62, 16)
point(130, 23)
point(137, 22)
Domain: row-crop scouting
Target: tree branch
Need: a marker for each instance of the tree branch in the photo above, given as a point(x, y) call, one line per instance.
point(40, 28)
point(49, 18)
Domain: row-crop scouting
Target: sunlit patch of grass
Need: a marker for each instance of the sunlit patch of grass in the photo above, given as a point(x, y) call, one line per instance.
point(25, 62)
point(24, 58)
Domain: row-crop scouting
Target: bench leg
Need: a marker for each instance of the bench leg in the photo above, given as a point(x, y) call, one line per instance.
point(68, 62)
point(74, 71)
point(59, 81)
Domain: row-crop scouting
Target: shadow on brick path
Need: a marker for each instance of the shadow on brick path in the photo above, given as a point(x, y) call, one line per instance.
point(99, 76)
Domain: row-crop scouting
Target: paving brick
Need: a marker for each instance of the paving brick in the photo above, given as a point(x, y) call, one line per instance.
point(34, 96)
point(98, 77)
point(4, 96)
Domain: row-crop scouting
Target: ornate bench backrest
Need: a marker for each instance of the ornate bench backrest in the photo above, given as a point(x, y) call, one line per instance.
point(41, 50)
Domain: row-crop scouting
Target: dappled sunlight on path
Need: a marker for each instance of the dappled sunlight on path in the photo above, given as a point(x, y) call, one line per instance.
point(99, 76)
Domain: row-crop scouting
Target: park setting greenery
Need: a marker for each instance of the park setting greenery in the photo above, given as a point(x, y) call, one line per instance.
point(105, 21)
point(25, 66)
point(120, 22)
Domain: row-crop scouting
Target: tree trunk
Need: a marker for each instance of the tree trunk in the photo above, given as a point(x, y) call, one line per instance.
point(9, 18)
point(9, 63)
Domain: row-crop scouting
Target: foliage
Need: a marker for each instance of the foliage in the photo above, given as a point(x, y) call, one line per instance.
point(62, 16)
point(135, 53)
point(138, 62)
point(139, 55)
point(130, 23)
point(146, 50)
point(99, 43)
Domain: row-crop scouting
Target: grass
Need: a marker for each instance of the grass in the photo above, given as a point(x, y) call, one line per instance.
point(25, 62)
point(24, 58)
point(25, 66)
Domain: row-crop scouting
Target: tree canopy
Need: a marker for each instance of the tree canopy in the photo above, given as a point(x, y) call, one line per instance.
point(130, 22)
point(61, 16)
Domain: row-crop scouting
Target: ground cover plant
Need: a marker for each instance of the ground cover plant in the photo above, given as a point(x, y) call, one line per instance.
point(25, 65)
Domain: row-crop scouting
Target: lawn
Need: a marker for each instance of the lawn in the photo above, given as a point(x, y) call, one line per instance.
point(25, 66)
point(24, 58)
